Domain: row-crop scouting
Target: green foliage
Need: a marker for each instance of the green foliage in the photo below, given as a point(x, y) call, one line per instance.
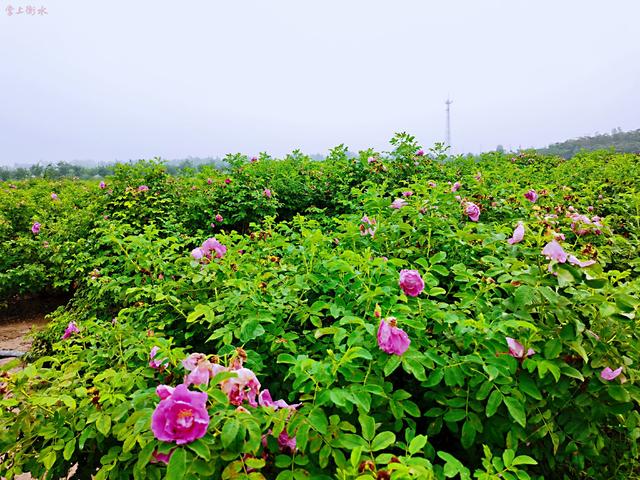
point(298, 289)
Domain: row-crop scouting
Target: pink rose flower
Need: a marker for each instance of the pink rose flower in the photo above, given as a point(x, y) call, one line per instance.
point(54, 197)
point(580, 263)
point(213, 245)
point(219, 218)
point(71, 329)
point(420, 153)
point(254, 159)
point(227, 181)
point(411, 282)
point(153, 363)
point(456, 186)
point(267, 193)
point(181, 416)
point(608, 374)
point(143, 188)
point(518, 234)
point(265, 400)
point(398, 203)
point(472, 211)
point(553, 251)
point(392, 339)
point(201, 369)
point(408, 193)
point(35, 228)
point(197, 253)
point(531, 195)
point(103, 185)
point(432, 184)
point(516, 349)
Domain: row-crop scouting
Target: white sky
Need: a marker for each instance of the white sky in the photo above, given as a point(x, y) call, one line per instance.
point(107, 80)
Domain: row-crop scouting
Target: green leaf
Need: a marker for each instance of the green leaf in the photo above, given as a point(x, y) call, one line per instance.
point(417, 444)
point(392, 363)
point(318, 420)
point(523, 460)
point(516, 410)
point(528, 386)
point(618, 393)
point(455, 415)
point(382, 441)
point(493, 403)
point(552, 348)
point(229, 432)
point(468, 434)
point(177, 465)
point(103, 424)
point(201, 449)
point(69, 448)
point(368, 426)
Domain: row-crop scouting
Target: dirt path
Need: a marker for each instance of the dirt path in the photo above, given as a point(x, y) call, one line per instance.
point(20, 317)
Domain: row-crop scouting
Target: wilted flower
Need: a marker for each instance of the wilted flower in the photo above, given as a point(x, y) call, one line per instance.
point(253, 159)
point(71, 329)
point(455, 187)
point(243, 387)
point(531, 195)
point(411, 282)
point(366, 227)
point(518, 234)
point(157, 457)
point(553, 251)
point(516, 349)
point(265, 400)
point(181, 416)
point(472, 211)
point(143, 188)
point(608, 374)
point(580, 263)
point(398, 203)
point(103, 185)
point(54, 197)
point(201, 370)
point(267, 193)
point(478, 176)
point(35, 228)
point(153, 363)
point(391, 339)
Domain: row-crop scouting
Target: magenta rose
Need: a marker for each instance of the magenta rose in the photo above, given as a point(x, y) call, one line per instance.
point(411, 282)
point(181, 416)
point(472, 211)
point(391, 339)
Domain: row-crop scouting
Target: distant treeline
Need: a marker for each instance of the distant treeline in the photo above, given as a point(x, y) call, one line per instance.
point(626, 142)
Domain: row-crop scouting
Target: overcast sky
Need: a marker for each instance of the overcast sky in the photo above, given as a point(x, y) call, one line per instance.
point(119, 80)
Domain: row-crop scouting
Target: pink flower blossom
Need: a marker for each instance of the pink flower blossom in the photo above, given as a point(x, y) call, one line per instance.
point(157, 457)
point(531, 195)
point(227, 181)
point(553, 251)
point(516, 349)
point(367, 226)
point(478, 176)
point(180, 417)
point(153, 363)
point(213, 245)
point(398, 203)
point(70, 330)
point(455, 187)
point(391, 339)
point(219, 218)
point(432, 184)
point(411, 282)
point(102, 185)
point(197, 253)
point(420, 153)
point(143, 188)
point(407, 193)
point(54, 197)
point(35, 228)
point(608, 374)
point(253, 159)
point(209, 181)
point(286, 443)
point(371, 160)
point(201, 369)
point(267, 193)
point(472, 211)
point(580, 263)
point(243, 387)
point(518, 234)
point(265, 400)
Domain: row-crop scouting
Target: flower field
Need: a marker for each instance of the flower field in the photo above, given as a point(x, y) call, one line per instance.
point(396, 315)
